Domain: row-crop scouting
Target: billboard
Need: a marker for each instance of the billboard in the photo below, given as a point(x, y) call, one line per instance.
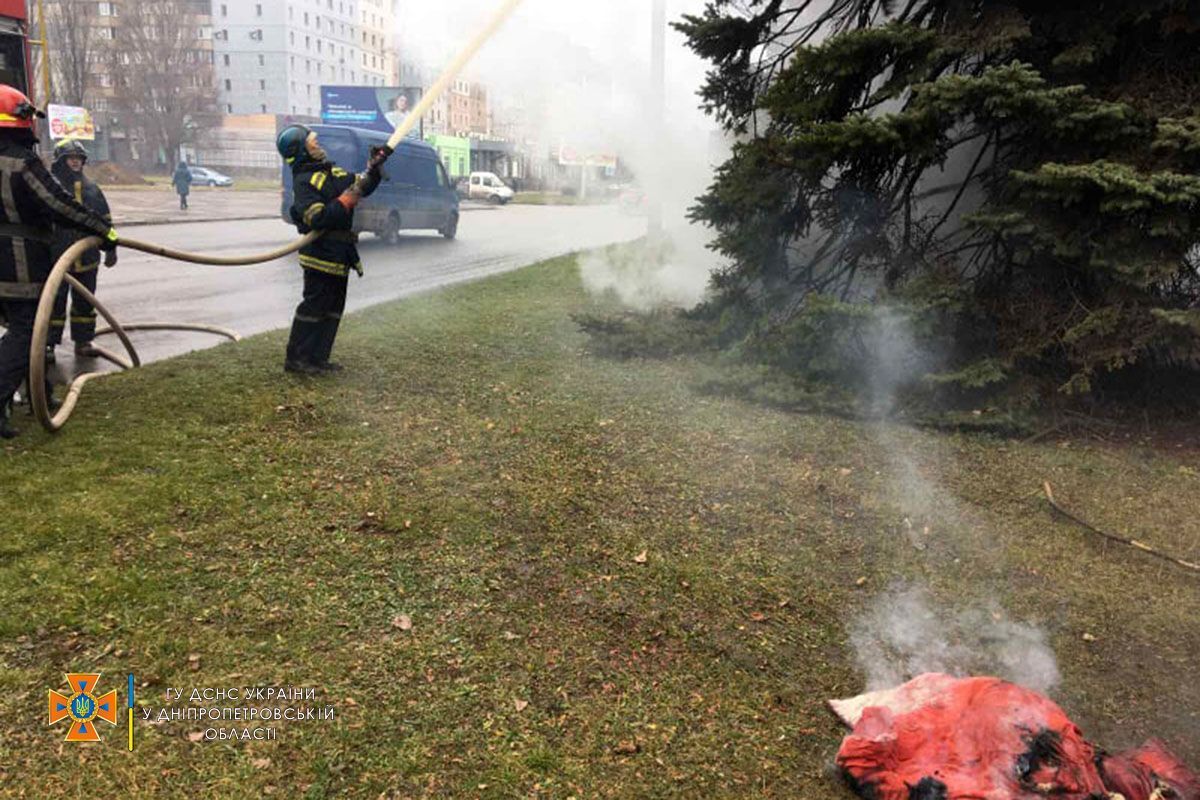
point(70, 122)
point(571, 156)
point(376, 109)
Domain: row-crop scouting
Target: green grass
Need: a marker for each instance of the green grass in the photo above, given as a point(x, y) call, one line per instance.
point(209, 522)
point(550, 199)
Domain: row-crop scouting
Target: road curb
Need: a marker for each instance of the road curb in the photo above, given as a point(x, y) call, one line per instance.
point(149, 222)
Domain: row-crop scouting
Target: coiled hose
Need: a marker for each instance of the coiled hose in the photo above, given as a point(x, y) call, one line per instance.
point(38, 398)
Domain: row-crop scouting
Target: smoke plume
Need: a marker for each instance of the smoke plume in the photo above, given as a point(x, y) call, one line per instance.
point(903, 635)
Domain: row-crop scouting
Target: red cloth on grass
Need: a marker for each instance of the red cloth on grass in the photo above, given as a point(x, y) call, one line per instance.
point(944, 738)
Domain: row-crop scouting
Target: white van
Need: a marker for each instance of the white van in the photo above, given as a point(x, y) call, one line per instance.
point(486, 186)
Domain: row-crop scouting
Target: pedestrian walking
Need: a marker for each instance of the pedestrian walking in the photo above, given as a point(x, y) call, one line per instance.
point(325, 198)
point(70, 156)
point(31, 204)
point(182, 181)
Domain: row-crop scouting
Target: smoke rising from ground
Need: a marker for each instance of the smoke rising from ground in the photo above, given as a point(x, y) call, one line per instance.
point(579, 73)
point(903, 635)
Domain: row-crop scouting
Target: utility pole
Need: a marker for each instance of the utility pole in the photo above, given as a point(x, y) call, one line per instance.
point(44, 52)
point(657, 115)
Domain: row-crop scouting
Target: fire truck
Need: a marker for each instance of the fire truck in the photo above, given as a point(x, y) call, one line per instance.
point(14, 44)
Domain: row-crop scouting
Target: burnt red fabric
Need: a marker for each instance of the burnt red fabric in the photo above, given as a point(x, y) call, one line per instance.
point(976, 737)
point(944, 738)
point(1137, 774)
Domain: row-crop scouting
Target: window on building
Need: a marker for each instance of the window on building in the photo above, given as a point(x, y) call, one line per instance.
point(262, 61)
point(229, 108)
point(104, 33)
point(258, 10)
point(228, 85)
point(224, 10)
point(264, 108)
point(292, 37)
point(307, 42)
point(225, 59)
point(262, 84)
point(107, 9)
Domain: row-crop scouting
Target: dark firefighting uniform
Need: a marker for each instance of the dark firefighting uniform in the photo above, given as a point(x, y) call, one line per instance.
point(85, 270)
point(327, 261)
point(31, 203)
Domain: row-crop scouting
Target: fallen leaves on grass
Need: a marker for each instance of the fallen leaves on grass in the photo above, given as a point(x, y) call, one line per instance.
point(520, 705)
point(403, 622)
point(627, 748)
point(641, 557)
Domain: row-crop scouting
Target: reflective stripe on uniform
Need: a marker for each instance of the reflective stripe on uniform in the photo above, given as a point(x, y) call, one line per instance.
point(311, 212)
point(310, 262)
point(318, 180)
point(20, 261)
point(82, 319)
point(20, 291)
point(306, 318)
point(338, 172)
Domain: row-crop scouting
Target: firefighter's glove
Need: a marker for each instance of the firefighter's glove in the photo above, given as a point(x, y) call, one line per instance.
point(110, 241)
point(358, 268)
point(110, 258)
point(379, 154)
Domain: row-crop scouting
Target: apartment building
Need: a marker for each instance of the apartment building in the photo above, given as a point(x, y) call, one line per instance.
point(273, 56)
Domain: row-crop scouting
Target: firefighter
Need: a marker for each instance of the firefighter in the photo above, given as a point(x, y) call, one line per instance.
point(325, 198)
point(31, 203)
point(70, 156)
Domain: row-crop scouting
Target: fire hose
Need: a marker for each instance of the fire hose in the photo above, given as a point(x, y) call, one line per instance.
point(38, 396)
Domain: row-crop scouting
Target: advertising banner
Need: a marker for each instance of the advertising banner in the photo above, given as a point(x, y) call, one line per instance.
point(570, 156)
point(71, 122)
point(375, 109)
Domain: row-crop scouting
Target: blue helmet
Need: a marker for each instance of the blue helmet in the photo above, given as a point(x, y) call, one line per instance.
point(291, 143)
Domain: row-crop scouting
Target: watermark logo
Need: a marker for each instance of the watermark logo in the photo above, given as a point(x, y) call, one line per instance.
point(82, 707)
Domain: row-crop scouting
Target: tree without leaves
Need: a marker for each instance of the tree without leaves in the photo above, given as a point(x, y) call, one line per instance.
point(1016, 178)
point(72, 34)
point(163, 78)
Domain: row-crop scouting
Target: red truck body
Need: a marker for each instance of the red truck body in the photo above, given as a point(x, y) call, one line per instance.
point(14, 44)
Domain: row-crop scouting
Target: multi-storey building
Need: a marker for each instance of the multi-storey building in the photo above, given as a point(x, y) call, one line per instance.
point(273, 56)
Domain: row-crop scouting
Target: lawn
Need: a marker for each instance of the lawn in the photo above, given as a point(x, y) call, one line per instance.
point(515, 569)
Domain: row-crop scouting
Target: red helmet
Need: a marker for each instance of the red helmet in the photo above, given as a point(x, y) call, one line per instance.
point(16, 111)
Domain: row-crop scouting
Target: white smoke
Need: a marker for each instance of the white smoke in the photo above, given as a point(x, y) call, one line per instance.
point(904, 635)
point(579, 72)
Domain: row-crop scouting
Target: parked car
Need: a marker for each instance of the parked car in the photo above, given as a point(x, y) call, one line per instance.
point(203, 176)
point(487, 186)
point(415, 194)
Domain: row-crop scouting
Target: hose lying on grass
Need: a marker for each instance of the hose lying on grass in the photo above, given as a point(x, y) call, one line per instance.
point(38, 398)
point(41, 327)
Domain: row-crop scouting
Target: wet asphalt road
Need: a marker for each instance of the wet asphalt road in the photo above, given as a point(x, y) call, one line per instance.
point(251, 300)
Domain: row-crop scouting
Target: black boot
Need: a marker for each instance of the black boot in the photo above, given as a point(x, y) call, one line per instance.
point(6, 430)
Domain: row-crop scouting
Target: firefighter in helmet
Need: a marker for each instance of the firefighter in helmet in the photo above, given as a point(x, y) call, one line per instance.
point(31, 204)
point(70, 156)
point(325, 196)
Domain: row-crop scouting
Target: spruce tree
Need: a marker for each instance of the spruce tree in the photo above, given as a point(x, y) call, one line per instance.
point(1016, 179)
